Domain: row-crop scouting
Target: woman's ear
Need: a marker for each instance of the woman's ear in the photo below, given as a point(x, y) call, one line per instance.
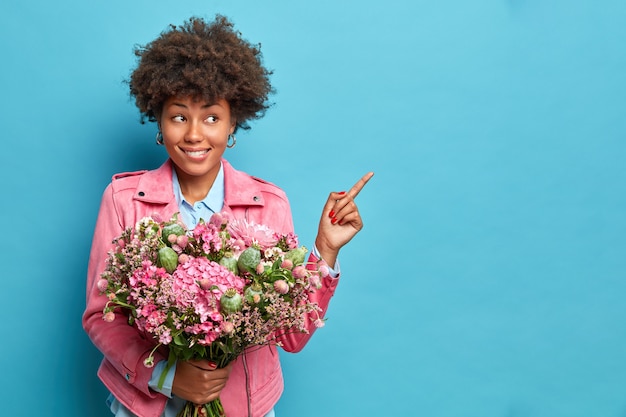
point(233, 125)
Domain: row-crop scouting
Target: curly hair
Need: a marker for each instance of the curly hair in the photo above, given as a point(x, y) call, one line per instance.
point(204, 60)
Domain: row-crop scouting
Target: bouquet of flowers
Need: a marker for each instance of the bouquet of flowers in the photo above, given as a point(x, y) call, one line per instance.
point(211, 292)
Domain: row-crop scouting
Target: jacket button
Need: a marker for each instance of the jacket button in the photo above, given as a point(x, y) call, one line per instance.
point(128, 377)
point(141, 193)
point(256, 198)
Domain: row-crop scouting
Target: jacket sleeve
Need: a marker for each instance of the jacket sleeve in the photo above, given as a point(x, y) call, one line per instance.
point(122, 345)
point(295, 341)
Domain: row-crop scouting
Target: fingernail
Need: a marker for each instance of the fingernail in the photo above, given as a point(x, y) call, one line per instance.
point(331, 214)
point(342, 192)
point(212, 364)
point(334, 220)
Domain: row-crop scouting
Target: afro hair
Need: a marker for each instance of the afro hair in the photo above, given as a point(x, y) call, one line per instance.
point(203, 60)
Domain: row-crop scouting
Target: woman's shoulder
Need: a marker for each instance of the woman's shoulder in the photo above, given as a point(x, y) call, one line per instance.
point(124, 179)
point(266, 184)
point(244, 180)
point(131, 179)
point(124, 182)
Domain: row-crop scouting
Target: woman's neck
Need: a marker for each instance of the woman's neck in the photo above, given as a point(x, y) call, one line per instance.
point(194, 188)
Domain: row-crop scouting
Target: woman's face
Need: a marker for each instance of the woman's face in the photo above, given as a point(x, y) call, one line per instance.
point(195, 134)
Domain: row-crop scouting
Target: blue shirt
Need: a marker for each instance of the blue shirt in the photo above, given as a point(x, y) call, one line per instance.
point(212, 203)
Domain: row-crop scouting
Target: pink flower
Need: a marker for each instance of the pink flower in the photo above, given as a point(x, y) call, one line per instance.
point(299, 272)
point(209, 338)
point(209, 236)
point(292, 240)
point(102, 285)
point(200, 282)
point(216, 316)
point(227, 327)
point(319, 323)
point(324, 270)
point(315, 281)
point(239, 243)
point(182, 241)
point(281, 286)
point(146, 310)
point(146, 276)
point(166, 337)
point(219, 219)
point(252, 233)
point(149, 362)
point(109, 317)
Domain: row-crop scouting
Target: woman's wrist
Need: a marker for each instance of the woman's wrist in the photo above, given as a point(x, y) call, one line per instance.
point(327, 253)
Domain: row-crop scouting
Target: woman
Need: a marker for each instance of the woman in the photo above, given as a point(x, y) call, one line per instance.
point(200, 82)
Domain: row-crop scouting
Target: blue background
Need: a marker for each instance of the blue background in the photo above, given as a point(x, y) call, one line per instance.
point(489, 278)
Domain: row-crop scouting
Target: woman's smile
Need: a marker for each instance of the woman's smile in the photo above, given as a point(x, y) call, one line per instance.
point(196, 154)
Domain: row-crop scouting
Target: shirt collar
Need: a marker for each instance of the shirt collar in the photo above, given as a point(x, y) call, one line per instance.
point(214, 200)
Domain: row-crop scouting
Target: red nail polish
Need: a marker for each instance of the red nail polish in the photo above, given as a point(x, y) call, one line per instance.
point(334, 220)
point(342, 192)
point(331, 214)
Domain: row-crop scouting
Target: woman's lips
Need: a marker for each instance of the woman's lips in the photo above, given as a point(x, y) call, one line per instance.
point(196, 153)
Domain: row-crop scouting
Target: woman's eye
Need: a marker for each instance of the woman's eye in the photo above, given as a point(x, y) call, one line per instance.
point(178, 118)
point(211, 119)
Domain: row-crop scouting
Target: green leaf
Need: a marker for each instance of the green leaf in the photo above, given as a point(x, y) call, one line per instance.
point(180, 340)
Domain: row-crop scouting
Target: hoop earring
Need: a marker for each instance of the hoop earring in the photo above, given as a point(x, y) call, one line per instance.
point(234, 141)
point(159, 138)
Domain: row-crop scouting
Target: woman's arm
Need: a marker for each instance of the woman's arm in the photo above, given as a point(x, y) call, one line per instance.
point(339, 223)
point(121, 344)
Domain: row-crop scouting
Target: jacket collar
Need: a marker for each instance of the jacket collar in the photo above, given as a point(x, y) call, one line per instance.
point(240, 189)
point(156, 186)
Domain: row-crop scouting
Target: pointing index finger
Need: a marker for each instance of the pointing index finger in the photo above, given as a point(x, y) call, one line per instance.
point(356, 188)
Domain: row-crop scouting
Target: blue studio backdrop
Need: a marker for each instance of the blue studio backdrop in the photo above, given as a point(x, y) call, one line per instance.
point(489, 279)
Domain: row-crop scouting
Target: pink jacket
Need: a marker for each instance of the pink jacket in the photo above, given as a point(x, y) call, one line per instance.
point(256, 381)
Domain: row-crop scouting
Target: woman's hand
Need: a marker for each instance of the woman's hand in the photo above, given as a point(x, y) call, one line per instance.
point(199, 381)
point(340, 221)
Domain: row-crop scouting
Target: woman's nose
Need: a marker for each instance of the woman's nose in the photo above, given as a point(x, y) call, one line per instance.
point(194, 133)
